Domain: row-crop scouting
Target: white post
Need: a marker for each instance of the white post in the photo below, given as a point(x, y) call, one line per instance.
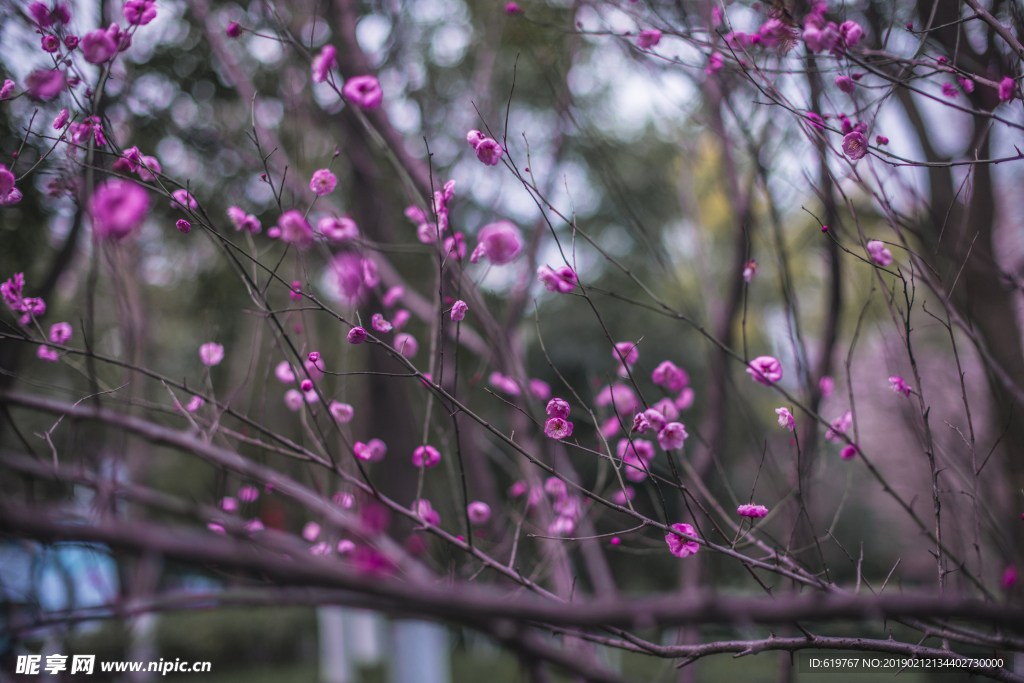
point(334, 664)
point(421, 653)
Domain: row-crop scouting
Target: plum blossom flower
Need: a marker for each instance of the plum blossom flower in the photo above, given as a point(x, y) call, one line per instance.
point(555, 488)
point(61, 120)
point(562, 280)
point(489, 152)
point(248, 494)
point(9, 194)
point(750, 270)
point(379, 323)
point(211, 353)
point(406, 344)
point(321, 548)
point(827, 385)
point(499, 242)
point(752, 511)
point(295, 229)
point(50, 43)
point(323, 182)
point(357, 335)
point(845, 83)
point(681, 547)
point(855, 145)
point(899, 386)
point(818, 38)
point(966, 83)
point(48, 354)
point(622, 397)
point(228, 504)
point(670, 376)
point(765, 370)
point(839, 426)
point(620, 498)
point(655, 418)
point(284, 372)
point(184, 199)
point(459, 309)
point(949, 90)
point(344, 500)
point(426, 512)
point(401, 318)
point(45, 84)
point(849, 452)
point(98, 46)
point(786, 418)
point(393, 295)
point(672, 436)
point(311, 531)
point(557, 428)
point(880, 254)
point(117, 208)
point(513, 8)
point(6, 89)
point(479, 512)
point(183, 226)
point(649, 38)
point(293, 399)
point(425, 456)
point(626, 354)
point(562, 526)
point(234, 29)
point(540, 389)
point(850, 33)
point(685, 399)
point(342, 412)
point(667, 408)
point(363, 91)
point(306, 386)
point(60, 333)
point(242, 220)
point(139, 12)
point(1006, 89)
point(558, 407)
point(715, 63)
point(815, 120)
point(635, 454)
point(503, 383)
point(323, 63)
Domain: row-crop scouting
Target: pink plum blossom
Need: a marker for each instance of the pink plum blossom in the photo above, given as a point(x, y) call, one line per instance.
point(667, 408)
point(139, 12)
point(555, 488)
point(685, 399)
point(765, 370)
point(558, 407)
point(670, 376)
point(540, 389)
point(46, 84)
point(311, 531)
point(211, 353)
point(610, 427)
point(849, 452)
point(426, 512)
point(827, 385)
point(48, 354)
point(562, 526)
point(880, 254)
point(620, 498)
point(228, 504)
point(323, 182)
point(7, 89)
point(845, 83)
point(750, 270)
point(323, 63)
point(343, 500)
point(379, 323)
point(655, 419)
point(489, 152)
point(562, 280)
point(649, 38)
point(400, 319)
point(850, 33)
point(681, 547)
point(295, 229)
point(672, 436)
point(9, 194)
point(240, 219)
point(557, 428)
point(512, 8)
point(752, 511)
point(786, 418)
point(284, 372)
point(1006, 87)
point(60, 333)
point(1009, 577)
point(50, 43)
point(899, 386)
point(61, 120)
point(293, 399)
point(97, 46)
point(234, 29)
point(425, 456)
point(357, 335)
point(479, 512)
point(715, 63)
point(620, 396)
point(503, 383)
point(839, 426)
point(626, 352)
point(393, 295)
point(499, 242)
point(406, 344)
point(342, 412)
point(855, 145)
point(306, 385)
point(248, 494)
point(363, 91)
point(117, 208)
point(183, 226)
point(183, 199)
point(640, 423)
point(459, 309)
